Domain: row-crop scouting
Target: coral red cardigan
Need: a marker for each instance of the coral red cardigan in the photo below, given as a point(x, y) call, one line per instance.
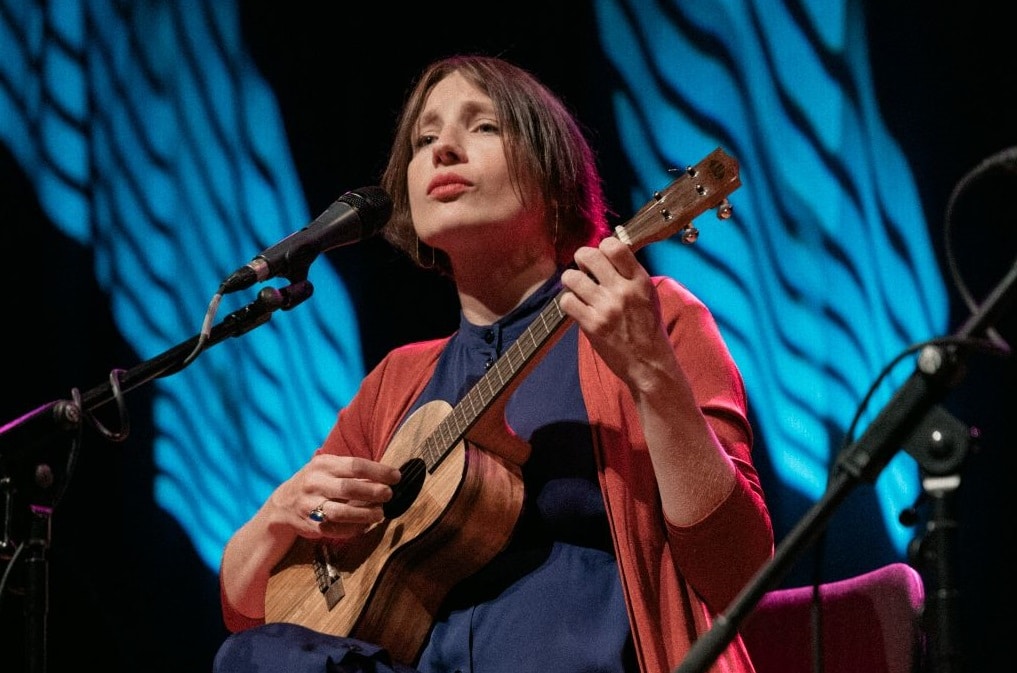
point(675, 578)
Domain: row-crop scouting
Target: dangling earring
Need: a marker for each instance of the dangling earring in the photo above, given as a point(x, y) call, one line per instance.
point(554, 236)
point(416, 255)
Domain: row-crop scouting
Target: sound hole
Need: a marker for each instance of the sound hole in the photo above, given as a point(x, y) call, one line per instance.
point(408, 488)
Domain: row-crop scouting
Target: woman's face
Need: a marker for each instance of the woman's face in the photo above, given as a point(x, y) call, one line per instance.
point(461, 191)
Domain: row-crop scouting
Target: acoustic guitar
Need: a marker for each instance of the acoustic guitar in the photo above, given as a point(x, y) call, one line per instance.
point(461, 491)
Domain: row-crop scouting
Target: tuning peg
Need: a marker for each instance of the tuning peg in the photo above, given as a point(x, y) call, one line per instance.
point(724, 210)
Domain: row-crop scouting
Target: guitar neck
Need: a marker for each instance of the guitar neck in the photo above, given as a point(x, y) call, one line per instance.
point(499, 382)
point(671, 210)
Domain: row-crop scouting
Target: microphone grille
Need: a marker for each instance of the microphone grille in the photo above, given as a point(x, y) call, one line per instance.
point(373, 205)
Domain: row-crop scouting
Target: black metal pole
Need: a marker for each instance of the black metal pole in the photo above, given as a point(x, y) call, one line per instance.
point(937, 372)
point(27, 448)
point(37, 588)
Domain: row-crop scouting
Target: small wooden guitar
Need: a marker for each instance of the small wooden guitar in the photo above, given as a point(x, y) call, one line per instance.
point(461, 491)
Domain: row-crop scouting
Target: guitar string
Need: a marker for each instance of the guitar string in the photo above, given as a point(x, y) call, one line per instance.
point(452, 429)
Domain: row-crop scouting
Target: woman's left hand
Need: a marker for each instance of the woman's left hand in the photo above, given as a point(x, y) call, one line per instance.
point(613, 301)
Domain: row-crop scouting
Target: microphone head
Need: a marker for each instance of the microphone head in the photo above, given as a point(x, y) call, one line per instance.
point(373, 206)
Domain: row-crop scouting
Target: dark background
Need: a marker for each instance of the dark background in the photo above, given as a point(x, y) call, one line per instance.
point(125, 586)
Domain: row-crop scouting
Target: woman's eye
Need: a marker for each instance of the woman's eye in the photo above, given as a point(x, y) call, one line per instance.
point(487, 127)
point(425, 140)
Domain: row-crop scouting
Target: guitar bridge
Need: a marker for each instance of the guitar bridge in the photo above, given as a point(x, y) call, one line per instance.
point(330, 582)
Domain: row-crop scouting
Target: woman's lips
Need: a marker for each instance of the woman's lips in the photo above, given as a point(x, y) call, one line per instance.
point(447, 186)
point(449, 190)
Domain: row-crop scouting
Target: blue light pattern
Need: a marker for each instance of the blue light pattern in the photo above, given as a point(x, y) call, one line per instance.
point(152, 139)
point(826, 272)
point(166, 155)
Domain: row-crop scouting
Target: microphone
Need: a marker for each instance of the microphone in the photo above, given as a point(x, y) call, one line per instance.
point(355, 216)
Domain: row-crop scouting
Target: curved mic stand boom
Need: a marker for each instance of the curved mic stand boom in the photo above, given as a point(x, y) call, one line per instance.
point(30, 457)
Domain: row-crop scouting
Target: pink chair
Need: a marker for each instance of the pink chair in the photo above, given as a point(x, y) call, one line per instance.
point(871, 624)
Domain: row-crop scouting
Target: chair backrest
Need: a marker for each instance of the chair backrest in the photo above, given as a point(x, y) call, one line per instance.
point(871, 623)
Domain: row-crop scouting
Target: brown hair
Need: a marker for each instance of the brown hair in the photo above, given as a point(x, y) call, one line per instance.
point(544, 147)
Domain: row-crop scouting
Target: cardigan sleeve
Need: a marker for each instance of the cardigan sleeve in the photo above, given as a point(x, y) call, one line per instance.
point(719, 554)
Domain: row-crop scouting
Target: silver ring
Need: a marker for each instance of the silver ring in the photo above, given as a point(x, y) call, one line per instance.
point(317, 514)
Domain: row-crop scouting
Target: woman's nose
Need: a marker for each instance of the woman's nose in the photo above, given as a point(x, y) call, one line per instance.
point(447, 148)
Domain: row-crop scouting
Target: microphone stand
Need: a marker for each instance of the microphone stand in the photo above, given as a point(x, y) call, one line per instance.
point(27, 448)
point(907, 416)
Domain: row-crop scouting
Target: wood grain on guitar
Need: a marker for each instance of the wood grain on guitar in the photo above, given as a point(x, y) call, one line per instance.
point(461, 492)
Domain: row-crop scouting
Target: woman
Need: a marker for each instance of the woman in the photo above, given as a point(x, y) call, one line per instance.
point(640, 513)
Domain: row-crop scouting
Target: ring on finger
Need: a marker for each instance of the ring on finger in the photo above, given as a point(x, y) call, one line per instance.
point(317, 514)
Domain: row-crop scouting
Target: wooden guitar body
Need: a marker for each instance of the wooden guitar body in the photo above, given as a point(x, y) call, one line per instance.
point(386, 586)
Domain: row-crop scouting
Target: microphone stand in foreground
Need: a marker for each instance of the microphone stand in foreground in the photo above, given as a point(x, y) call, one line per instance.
point(35, 466)
point(910, 414)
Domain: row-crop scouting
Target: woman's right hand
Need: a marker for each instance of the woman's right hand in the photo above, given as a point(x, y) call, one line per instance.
point(345, 492)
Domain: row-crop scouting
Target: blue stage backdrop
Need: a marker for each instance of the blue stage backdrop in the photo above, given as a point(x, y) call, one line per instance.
point(151, 139)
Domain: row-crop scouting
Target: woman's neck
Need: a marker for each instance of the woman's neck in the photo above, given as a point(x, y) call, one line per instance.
point(489, 294)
